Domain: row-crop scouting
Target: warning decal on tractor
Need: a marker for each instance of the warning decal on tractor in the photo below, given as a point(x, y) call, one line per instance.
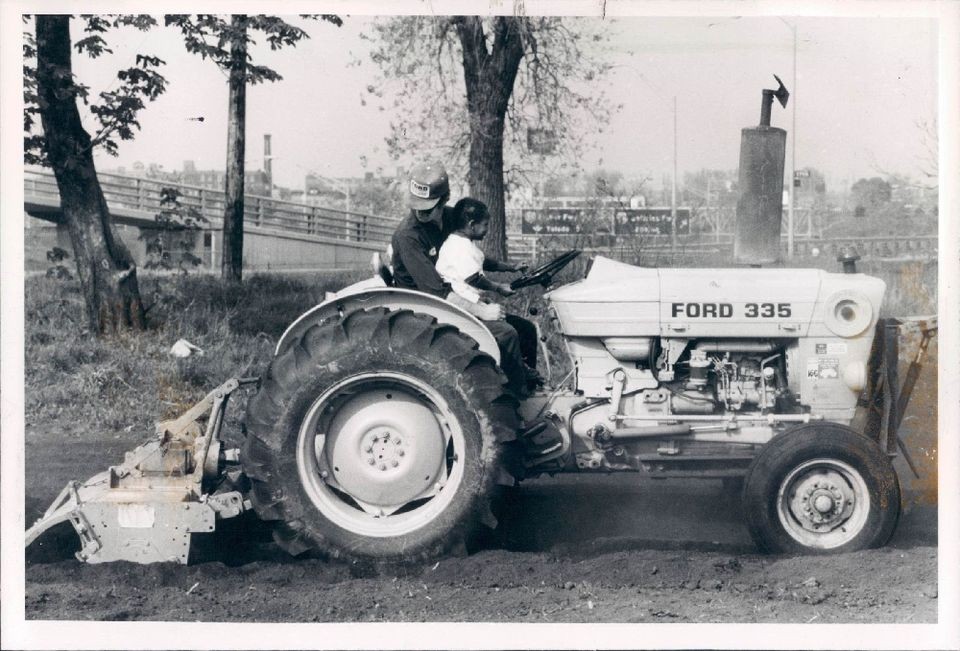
point(825, 368)
point(832, 349)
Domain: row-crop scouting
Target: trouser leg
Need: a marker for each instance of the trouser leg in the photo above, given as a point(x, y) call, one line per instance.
point(511, 469)
point(511, 360)
point(527, 332)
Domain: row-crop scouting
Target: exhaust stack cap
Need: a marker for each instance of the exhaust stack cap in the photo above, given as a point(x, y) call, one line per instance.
point(848, 258)
point(781, 94)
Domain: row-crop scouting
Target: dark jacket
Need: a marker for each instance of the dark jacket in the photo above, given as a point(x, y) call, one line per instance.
point(415, 248)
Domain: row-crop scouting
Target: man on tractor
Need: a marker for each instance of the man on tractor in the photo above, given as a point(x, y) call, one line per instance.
point(416, 245)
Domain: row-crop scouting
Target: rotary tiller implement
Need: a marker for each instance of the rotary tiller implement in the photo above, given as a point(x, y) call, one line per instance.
point(146, 509)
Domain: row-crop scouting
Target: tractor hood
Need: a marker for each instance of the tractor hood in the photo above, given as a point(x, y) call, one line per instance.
point(621, 300)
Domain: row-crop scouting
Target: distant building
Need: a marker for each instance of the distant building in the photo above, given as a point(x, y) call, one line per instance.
point(292, 195)
point(708, 188)
point(318, 191)
point(912, 196)
point(254, 182)
point(333, 192)
point(810, 189)
point(143, 171)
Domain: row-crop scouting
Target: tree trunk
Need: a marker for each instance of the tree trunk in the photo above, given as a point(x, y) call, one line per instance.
point(486, 178)
point(232, 264)
point(489, 76)
point(106, 269)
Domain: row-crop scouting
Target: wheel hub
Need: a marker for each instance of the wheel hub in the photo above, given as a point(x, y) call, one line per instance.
point(821, 500)
point(823, 504)
point(380, 454)
point(385, 448)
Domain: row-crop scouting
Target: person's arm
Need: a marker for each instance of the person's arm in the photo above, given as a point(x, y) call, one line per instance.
point(483, 311)
point(492, 264)
point(480, 281)
point(420, 267)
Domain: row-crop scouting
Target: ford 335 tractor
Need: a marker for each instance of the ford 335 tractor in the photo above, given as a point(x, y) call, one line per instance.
point(378, 428)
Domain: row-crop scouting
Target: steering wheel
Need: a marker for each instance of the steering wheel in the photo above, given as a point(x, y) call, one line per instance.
point(544, 274)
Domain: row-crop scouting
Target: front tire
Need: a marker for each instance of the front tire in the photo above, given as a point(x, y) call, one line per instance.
point(821, 488)
point(376, 437)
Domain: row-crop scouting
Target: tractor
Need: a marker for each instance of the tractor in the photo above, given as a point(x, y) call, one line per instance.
point(378, 431)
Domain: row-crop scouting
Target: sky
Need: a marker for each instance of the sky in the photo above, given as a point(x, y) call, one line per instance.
point(862, 85)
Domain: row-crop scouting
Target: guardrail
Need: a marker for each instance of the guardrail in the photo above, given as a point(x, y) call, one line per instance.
point(153, 197)
point(529, 248)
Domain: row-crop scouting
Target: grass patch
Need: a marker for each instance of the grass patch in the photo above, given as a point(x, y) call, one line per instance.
point(76, 383)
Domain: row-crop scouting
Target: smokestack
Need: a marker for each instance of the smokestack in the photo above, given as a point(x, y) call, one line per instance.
point(268, 164)
point(760, 207)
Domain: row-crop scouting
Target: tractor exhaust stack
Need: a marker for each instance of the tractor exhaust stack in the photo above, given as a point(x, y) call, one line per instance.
point(760, 207)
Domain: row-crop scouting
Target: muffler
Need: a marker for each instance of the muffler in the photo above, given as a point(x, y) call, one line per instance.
point(760, 206)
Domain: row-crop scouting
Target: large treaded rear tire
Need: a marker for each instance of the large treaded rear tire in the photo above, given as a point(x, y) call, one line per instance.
point(380, 358)
point(821, 488)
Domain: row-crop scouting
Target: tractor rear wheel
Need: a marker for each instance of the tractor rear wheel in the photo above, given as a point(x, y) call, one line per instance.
point(377, 437)
point(821, 488)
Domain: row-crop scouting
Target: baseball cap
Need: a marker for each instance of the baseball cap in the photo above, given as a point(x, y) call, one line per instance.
point(428, 182)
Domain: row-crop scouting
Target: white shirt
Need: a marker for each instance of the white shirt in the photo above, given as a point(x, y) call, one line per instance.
point(460, 259)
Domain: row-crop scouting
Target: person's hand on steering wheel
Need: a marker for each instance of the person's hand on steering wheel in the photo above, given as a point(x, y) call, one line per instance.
point(504, 289)
point(543, 275)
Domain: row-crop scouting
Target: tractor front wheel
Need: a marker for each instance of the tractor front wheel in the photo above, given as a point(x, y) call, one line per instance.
point(821, 488)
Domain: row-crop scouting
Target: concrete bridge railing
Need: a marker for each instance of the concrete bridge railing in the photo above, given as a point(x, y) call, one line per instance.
point(139, 200)
point(278, 235)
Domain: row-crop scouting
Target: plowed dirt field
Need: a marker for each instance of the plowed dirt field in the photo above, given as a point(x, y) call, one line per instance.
point(577, 549)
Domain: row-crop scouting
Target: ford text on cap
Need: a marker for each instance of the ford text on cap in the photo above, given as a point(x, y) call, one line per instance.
point(428, 182)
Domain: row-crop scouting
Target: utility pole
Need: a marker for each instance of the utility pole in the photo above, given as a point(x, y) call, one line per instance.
point(793, 148)
point(673, 189)
point(268, 164)
point(713, 215)
point(232, 264)
point(542, 182)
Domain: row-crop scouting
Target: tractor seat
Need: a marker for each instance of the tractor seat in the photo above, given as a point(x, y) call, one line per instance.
point(381, 267)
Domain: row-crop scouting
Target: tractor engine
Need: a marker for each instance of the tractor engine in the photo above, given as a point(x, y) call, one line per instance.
point(727, 381)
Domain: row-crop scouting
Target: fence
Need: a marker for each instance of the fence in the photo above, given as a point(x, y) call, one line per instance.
point(152, 197)
point(526, 248)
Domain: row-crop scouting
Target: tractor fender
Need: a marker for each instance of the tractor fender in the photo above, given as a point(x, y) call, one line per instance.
point(395, 299)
